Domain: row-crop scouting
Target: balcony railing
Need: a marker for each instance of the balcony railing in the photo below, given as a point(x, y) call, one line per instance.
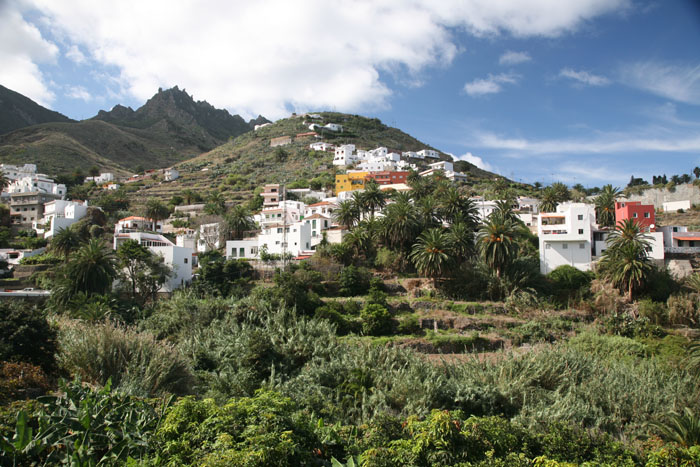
point(554, 232)
point(682, 249)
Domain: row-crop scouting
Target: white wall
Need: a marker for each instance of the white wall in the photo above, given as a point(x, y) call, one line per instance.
point(673, 206)
point(557, 253)
point(180, 261)
point(250, 249)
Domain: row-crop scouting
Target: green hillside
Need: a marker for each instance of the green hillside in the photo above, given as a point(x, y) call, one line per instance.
point(169, 128)
point(18, 111)
point(248, 161)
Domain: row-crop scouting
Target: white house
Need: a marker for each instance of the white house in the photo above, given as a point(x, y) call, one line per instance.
point(171, 174)
point(276, 215)
point(428, 153)
point(242, 249)
point(333, 127)
point(412, 154)
point(298, 238)
point(321, 146)
point(178, 259)
point(136, 224)
point(565, 237)
point(344, 155)
point(102, 178)
point(15, 172)
point(37, 183)
point(113, 186)
point(60, 214)
point(318, 223)
point(447, 169)
point(673, 206)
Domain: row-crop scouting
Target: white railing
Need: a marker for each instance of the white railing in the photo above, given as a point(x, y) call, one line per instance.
point(682, 249)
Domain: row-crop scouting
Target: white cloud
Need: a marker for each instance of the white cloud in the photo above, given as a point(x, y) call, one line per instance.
point(514, 58)
point(678, 82)
point(78, 92)
point(22, 49)
point(75, 55)
point(602, 143)
point(490, 85)
point(584, 77)
point(476, 160)
point(272, 56)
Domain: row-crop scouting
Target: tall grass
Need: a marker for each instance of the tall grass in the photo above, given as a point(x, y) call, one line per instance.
point(136, 362)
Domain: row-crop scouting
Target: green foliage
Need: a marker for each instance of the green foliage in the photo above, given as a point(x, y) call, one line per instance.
point(684, 310)
point(263, 430)
point(376, 320)
point(569, 282)
point(79, 427)
point(655, 312)
point(353, 280)
point(134, 362)
point(682, 428)
point(26, 336)
point(225, 277)
point(44, 258)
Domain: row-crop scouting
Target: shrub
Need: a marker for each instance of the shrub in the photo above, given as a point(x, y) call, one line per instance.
point(134, 362)
point(44, 258)
point(683, 310)
point(568, 282)
point(26, 336)
point(21, 381)
point(408, 325)
point(376, 320)
point(353, 281)
point(655, 312)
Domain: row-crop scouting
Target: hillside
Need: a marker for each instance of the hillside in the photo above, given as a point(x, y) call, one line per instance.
point(169, 128)
point(247, 162)
point(18, 111)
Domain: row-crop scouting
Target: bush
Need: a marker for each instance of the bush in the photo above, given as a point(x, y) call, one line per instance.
point(353, 281)
point(568, 282)
point(376, 320)
point(683, 310)
point(134, 362)
point(21, 381)
point(44, 258)
point(26, 336)
point(655, 312)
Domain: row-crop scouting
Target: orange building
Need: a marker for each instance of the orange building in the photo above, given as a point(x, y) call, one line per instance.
point(643, 214)
point(387, 177)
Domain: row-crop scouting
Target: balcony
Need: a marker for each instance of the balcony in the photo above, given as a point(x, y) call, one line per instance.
point(555, 232)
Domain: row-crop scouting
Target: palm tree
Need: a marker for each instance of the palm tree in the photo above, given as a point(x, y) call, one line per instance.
point(605, 205)
point(428, 212)
point(347, 214)
point(4, 181)
point(504, 211)
point(400, 225)
point(189, 196)
point(373, 198)
point(238, 221)
point(66, 241)
point(457, 208)
point(216, 204)
point(627, 232)
point(497, 243)
point(683, 429)
point(461, 239)
point(92, 269)
point(548, 200)
point(626, 266)
point(156, 211)
point(432, 254)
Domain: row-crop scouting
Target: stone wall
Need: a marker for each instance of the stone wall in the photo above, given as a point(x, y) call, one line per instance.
point(658, 196)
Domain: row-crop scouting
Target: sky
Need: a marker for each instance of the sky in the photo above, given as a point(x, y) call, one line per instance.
point(578, 91)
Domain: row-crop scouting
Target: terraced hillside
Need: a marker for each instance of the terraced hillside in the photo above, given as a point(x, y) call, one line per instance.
point(249, 161)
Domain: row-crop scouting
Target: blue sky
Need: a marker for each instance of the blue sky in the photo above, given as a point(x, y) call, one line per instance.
point(583, 91)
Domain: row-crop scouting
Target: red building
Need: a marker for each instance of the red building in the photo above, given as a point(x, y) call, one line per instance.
point(387, 178)
point(641, 213)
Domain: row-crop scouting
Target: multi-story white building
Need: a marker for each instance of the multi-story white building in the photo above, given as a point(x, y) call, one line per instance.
point(318, 223)
point(412, 154)
point(178, 259)
point(447, 169)
point(428, 153)
point(15, 172)
point(37, 183)
point(272, 238)
point(344, 155)
point(321, 146)
point(60, 214)
point(136, 224)
point(565, 237)
point(276, 215)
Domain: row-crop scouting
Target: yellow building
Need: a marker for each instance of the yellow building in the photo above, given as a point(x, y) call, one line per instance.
point(350, 181)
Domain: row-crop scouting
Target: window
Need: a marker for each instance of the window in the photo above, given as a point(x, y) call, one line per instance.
point(581, 246)
point(279, 230)
point(691, 243)
point(253, 250)
point(241, 252)
point(565, 246)
point(634, 215)
point(580, 231)
point(580, 217)
point(185, 260)
point(647, 215)
point(675, 229)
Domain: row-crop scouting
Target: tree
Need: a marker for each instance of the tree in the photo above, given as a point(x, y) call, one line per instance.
point(605, 205)
point(237, 221)
point(156, 211)
point(683, 428)
point(629, 231)
point(66, 240)
point(497, 243)
point(427, 208)
point(457, 208)
point(548, 200)
point(696, 172)
point(431, 255)
point(94, 171)
point(190, 196)
point(626, 266)
point(4, 181)
point(91, 269)
point(461, 239)
point(145, 272)
point(400, 225)
point(347, 214)
point(373, 198)
point(216, 204)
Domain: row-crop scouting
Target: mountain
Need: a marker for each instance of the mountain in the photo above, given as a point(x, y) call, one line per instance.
point(169, 128)
point(18, 111)
point(247, 162)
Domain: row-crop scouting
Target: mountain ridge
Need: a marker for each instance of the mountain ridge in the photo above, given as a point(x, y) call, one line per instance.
point(18, 111)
